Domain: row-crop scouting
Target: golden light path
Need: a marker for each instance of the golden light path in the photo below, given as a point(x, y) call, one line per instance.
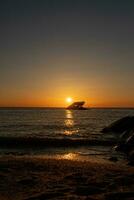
point(69, 123)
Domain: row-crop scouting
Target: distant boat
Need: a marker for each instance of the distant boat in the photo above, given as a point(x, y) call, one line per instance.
point(77, 106)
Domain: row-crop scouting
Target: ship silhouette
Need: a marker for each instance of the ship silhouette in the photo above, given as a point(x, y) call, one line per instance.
point(77, 106)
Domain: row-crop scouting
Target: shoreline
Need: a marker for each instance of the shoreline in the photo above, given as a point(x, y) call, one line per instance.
point(39, 178)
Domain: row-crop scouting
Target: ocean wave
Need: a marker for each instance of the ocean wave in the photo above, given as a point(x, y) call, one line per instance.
point(36, 142)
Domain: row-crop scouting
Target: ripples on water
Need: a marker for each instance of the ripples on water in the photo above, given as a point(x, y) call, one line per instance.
point(58, 123)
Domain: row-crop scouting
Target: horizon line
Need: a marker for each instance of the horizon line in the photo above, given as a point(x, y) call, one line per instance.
point(56, 107)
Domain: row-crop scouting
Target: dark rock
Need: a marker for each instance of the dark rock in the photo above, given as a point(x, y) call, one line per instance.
point(121, 125)
point(130, 141)
point(114, 159)
point(125, 135)
point(119, 147)
point(125, 142)
point(131, 158)
point(131, 155)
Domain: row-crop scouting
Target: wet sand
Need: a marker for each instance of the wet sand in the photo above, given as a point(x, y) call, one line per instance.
point(41, 179)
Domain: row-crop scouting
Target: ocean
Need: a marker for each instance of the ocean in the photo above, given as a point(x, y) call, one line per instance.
point(58, 133)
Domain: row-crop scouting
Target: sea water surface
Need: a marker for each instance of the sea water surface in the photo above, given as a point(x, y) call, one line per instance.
point(54, 125)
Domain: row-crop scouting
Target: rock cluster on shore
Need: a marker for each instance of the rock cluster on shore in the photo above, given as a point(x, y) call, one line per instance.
point(124, 129)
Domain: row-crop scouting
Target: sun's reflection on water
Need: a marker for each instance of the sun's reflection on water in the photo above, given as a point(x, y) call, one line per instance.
point(69, 123)
point(70, 132)
point(68, 156)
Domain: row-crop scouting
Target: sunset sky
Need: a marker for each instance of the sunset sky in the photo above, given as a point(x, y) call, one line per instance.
point(54, 49)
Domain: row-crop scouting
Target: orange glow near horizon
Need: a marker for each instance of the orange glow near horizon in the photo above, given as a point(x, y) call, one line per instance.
point(38, 99)
point(90, 102)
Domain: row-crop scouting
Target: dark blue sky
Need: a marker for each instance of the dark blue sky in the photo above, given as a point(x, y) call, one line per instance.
point(50, 49)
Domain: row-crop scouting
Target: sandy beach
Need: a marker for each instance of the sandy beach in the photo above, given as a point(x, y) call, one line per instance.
point(30, 178)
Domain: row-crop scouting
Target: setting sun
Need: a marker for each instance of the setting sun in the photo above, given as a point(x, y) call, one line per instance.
point(69, 99)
